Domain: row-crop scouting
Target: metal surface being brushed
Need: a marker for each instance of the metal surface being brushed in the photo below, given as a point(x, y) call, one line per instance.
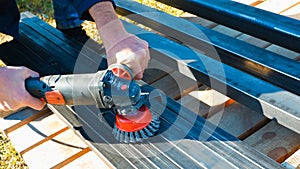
point(113, 89)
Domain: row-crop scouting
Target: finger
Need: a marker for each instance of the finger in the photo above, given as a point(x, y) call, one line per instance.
point(33, 102)
point(30, 73)
point(146, 60)
point(139, 76)
point(143, 58)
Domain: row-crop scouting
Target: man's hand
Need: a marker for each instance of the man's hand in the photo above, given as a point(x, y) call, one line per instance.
point(131, 52)
point(13, 94)
point(121, 47)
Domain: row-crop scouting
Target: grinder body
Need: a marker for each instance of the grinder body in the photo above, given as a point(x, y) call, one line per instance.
point(104, 89)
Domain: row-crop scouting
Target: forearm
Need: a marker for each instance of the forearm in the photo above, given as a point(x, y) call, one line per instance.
point(110, 27)
point(121, 46)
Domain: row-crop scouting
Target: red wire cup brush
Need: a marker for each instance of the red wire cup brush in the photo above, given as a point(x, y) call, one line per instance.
point(134, 122)
point(135, 126)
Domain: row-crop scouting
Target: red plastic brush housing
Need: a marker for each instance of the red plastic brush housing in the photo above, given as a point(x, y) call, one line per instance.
point(134, 122)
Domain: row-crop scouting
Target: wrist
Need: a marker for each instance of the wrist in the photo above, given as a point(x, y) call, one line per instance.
point(112, 33)
point(110, 27)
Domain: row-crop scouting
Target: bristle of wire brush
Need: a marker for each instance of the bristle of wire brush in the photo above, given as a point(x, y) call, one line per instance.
point(137, 136)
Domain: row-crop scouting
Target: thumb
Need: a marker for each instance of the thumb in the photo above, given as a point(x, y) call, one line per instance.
point(35, 103)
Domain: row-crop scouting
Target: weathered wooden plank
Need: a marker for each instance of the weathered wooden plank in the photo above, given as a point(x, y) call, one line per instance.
point(15, 121)
point(236, 119)
point(88, 159)
point(293, 162)
point(276, 6)
point(4, 114)
point(54, 152)
point(275, 141)
point(44, 140)
point(155, 71)
point(27, 120)
point(72, 158)
point(283, 51)
point(198, 20)
point(192, 103)
point(227, 31)
point(14, 57)
point(254, 41)
point(176, 85)
point(83, 59)
point(29, 136)
point(35, 131)
point(205, 101)
point(53, 48)
point(70, 45)
point(247, 2)
point(293, 12)
point(257, 3)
